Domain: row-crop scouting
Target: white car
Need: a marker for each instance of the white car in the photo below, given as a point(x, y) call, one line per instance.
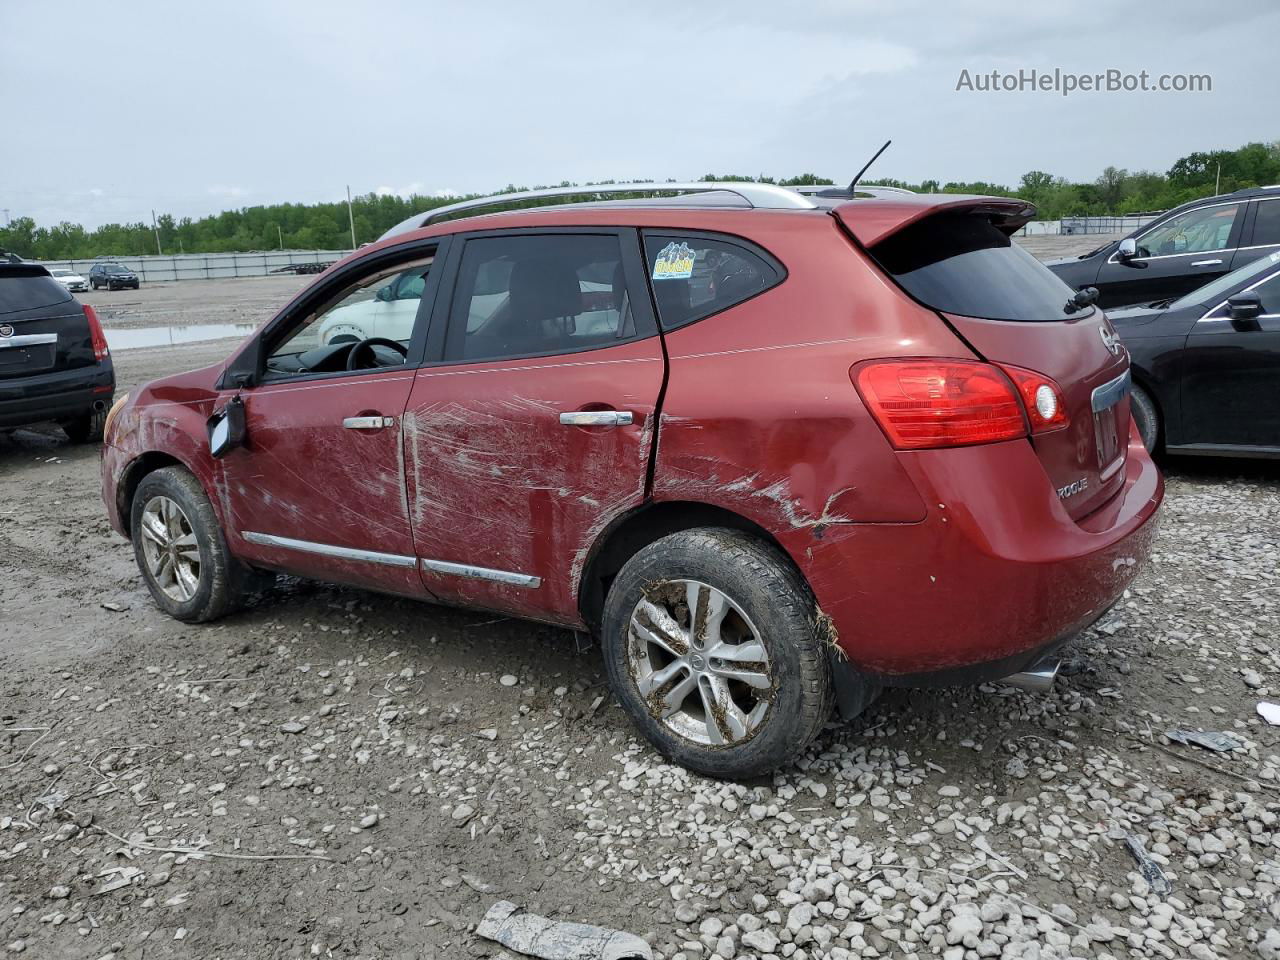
point(390, 313)
point(71, 280)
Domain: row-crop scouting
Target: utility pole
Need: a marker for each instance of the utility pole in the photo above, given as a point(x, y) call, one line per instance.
point(351, 217)
point(6, 216)
point(1217, 181)
point(280, 234)
point(155, 226)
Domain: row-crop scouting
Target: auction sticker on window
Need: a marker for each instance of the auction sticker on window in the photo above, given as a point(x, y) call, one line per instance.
point(675, 262)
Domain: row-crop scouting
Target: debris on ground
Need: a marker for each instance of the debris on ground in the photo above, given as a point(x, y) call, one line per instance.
point(1150, 870)
point(1214, 740)
point(1270, 712)
point(536, 936)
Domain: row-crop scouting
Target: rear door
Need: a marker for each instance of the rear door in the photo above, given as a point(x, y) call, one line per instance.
point(535, 428)
point(1262, 236)
point(1012, 310)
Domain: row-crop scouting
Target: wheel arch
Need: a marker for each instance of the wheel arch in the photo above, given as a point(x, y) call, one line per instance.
point(646, 524)
point(1143, 379)
point(133, 475)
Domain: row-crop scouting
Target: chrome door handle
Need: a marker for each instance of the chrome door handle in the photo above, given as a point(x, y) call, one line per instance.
point(1206, 263)
point(368, 423)
point(597, 418)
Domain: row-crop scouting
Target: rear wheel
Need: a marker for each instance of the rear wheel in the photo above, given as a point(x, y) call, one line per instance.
point(1146, 417)
point(713, 647)
point(181, 551)
point(86, 428)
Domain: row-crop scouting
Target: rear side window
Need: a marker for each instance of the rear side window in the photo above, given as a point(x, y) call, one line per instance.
point(1266, 224)
point(694, 276)
point(521, 296)
point(960, 263)
point(29, 289)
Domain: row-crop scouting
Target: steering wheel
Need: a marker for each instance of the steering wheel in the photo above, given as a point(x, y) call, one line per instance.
point(356, 354)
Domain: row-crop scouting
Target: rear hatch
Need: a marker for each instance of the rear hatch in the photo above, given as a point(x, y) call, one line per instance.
point(42, 326)
point(1012, 311)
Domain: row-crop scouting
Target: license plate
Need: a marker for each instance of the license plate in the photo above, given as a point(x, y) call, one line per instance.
point(1108, 435)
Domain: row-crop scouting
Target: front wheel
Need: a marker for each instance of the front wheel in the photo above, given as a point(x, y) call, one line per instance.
point(181, 551)
point(713, 646)
point(1146, 417)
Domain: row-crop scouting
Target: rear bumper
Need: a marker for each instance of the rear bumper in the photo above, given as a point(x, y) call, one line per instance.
point(996, 575)
point(56, 395)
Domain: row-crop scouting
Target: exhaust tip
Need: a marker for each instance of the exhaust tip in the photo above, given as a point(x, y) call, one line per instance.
point(99, 406)
point(1038, 678)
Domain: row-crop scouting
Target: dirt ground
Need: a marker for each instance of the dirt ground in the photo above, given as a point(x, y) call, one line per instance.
point(415, 764)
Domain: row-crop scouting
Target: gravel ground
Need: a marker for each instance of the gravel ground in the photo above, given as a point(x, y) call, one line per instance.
point(337, 773)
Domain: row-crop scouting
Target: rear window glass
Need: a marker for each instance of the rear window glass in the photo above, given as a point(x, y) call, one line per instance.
point(29, 290)
point(960, 263)
point(694, 277)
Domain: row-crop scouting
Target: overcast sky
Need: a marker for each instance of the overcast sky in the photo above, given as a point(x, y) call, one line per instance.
point(112, 109)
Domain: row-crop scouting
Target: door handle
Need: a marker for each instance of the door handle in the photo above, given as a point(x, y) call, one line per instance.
point(597, 418)
point(1206, 263)
point(368, 423)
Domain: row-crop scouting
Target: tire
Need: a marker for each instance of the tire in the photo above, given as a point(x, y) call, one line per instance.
point(87, 428)
point(221, 583)
point(1146, 417)
point(764, 596)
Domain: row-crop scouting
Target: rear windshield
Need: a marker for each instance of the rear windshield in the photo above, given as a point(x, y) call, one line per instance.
point(29, 289)
point(960, 263)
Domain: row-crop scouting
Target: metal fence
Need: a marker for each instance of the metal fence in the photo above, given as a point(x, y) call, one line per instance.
point(1077, 226)
point(205, 266)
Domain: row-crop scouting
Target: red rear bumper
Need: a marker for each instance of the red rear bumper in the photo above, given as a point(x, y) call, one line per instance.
point(995, 571)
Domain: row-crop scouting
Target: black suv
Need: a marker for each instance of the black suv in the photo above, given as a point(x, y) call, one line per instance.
point(112, 276)
point(54, 362)
point(1181, 250)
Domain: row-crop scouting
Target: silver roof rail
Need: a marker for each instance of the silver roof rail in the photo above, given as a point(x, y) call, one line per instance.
point(872, 189)
point(764, 196)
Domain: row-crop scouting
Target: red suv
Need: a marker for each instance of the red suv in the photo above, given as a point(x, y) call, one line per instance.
point(775, 455)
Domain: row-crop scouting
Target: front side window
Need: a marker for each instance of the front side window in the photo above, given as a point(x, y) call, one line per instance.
point(1196, 231)
point(693, 277)
point(520, 296)
point(380, 307)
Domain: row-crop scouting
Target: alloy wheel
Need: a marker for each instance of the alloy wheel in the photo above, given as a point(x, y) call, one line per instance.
point(699, 663)
point(170, 549)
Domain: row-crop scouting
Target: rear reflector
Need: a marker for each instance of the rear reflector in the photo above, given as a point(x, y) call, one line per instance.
point(99, 339)
point(1046, 409)
point(940, 403)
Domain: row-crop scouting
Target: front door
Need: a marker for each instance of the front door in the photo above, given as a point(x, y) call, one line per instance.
point(1231, 378)
point(1176, 257)
point(536, 429)
point(319, 488)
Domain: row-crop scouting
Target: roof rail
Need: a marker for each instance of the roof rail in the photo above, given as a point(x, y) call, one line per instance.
point(833, 190)
point(764, 196)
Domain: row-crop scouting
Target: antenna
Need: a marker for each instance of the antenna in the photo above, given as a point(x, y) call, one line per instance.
point(858, 176)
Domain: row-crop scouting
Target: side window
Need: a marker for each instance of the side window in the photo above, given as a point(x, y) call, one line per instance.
point(1269, 292)
point(694, 277)
point(519, 296)
point(382, 303)
point(1196, 231)
point(1266, 224)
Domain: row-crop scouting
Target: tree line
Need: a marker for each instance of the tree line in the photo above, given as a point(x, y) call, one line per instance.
point(325, 226)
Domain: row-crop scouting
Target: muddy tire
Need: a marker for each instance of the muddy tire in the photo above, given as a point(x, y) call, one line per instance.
point(87, 428)
point(1146, 417)
point(181, 551)
point(713, 647)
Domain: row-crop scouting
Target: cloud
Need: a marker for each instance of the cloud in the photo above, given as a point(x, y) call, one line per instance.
point(223, 190)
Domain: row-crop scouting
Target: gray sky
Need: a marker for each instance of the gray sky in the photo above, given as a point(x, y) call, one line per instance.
point(112, 109)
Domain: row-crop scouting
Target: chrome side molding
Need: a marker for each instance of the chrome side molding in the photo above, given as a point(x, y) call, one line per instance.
point(328, 550)
point(482, 573)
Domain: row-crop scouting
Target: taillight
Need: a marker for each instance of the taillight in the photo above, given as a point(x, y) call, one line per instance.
point(1046, 408)
point(99, 339)
point(940, 403)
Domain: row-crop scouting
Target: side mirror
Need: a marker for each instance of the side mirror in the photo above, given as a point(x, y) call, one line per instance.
point(1128, 249)
point(386, 293)
point(1244, 309)
point(226, 428)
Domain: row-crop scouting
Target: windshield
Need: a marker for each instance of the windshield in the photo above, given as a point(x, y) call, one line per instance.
point(1216, 290)
point(960, 263)
point(61, 273)
point(116, 267)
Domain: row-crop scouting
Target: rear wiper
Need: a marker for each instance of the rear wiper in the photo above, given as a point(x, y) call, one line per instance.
point(1161, 304)
point(1084, 297)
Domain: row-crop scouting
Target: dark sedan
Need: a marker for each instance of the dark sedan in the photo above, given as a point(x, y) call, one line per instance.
point(113, 276)
point(1206, 367)
point(1181, 250)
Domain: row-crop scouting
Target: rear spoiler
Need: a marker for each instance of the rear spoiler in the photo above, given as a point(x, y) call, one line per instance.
point(873, 220)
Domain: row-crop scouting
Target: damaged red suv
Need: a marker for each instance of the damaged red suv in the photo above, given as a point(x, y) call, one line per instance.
point(775, 453)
